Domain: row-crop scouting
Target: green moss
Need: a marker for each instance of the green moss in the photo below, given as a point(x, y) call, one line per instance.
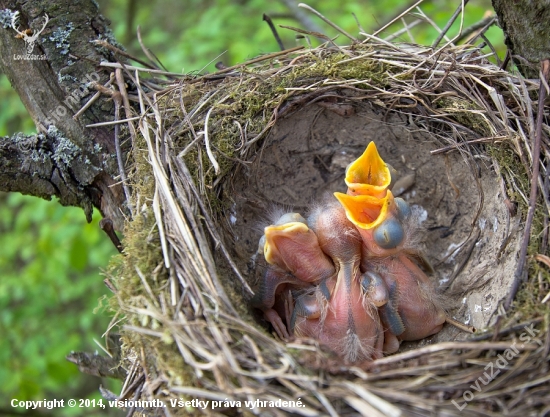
point(527, 301)
point(511, 165)
point(465, 112)
point(142, 250)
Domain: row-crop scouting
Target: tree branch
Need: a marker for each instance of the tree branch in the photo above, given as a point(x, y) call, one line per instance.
point(65, 159)
point(38, 165)
point(94, 364)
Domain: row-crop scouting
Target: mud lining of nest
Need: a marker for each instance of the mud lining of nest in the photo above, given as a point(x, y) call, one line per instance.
point(204, 143)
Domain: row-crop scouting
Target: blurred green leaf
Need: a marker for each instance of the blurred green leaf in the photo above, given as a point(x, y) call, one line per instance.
point(49, 288)
point(78, 254)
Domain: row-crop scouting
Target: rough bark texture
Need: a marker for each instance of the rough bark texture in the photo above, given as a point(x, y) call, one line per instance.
point(65, 159)
point(526, 24)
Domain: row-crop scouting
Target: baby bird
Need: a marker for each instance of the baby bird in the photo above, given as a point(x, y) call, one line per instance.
point(293, 247)
point(349, 276)
point(341, 314)
point(380, 222)
point(296, 261)
point(417, 303)
point(386, 227)
point(274, 298)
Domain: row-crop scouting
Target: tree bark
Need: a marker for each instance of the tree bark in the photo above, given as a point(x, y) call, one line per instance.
point(526, 25)
point(65, 159)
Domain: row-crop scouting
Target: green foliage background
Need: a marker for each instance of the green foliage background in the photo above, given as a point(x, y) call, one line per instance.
point(50, 259)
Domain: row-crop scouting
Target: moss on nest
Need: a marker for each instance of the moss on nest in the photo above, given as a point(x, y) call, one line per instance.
point(143, 253)
point(517, 180)
point(465, 112)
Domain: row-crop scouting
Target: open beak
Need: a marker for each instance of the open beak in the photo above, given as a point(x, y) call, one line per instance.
point(376, 219)
point(368, 174)
point(365, 211)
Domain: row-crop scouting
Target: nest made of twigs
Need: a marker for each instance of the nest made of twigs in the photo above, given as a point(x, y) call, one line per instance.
point(187, 329)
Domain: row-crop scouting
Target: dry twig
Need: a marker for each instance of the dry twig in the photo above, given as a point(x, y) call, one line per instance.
point(519, 274)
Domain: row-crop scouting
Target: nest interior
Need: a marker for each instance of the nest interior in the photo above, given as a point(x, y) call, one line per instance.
point(214, 154)
point(459, 198)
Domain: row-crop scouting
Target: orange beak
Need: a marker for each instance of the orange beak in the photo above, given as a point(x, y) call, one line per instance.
point(377, 220)
point(368, 174)
point(365, 211)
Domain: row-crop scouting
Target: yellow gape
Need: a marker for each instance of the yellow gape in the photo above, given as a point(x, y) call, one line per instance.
point(368, 174)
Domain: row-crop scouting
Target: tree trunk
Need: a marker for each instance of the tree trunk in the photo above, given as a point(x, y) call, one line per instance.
point(65, 159)
point(526, 25)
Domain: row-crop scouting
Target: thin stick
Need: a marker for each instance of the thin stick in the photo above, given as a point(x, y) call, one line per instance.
point(459, 325)
point(543, 258)
point(357, 22)
point(125, 101)
point(244, 64)
point(328, 22)
point(212, 60)
point(120, 162)
point(211, 227)
point(395, 19)
point(120, 52)
point(504, 332)
point(434, 25)
point(148, 52)
point(405, 29)
point(267, 19)
point(518, 276)
point(301, 16)
point(131, 67)
point(491, 47)
point(457, 145)
point(114, 122)
point(207, 144)
point(93, 99)
point(506, 60)
point(484, 24)
point(134, 402)
point(448, 346)
point(450, 23)
point(307, 32)
point(106, 225)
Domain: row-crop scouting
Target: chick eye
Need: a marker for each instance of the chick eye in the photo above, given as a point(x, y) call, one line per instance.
point(403, 208)
point(389, 234)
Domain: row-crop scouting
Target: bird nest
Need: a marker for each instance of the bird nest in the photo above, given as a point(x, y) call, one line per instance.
point(213, 154)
